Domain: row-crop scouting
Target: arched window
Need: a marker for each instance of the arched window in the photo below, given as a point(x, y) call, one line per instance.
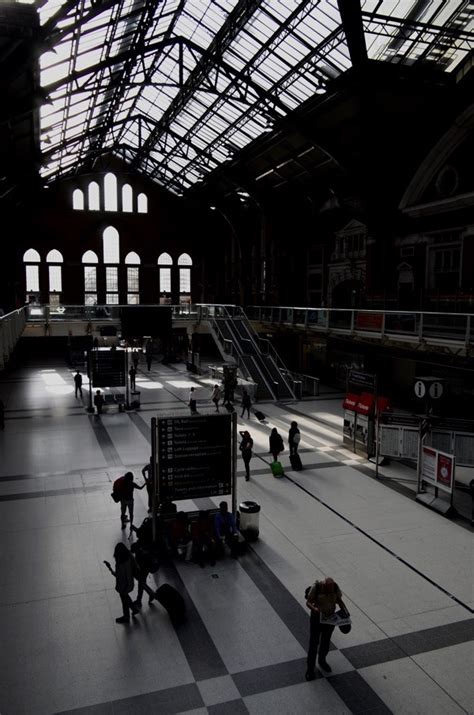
point(31, 256)
point(165, 260)
point(111, 255)
point(54, 256)
point(31, 271)
point(185, 260)
point(127, 198)
point(165, 278)
point(110, 192)
point(90, 278)
point(93, 196)
point(132, 260)
point(142, 203)
point(78, 200)
point(90, 257)
point(111, 245)
point(185, 278)
point(55, 277)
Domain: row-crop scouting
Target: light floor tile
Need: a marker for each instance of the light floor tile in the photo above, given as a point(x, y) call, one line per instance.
point(408, 689)
point(452, 669)
point(218, 690)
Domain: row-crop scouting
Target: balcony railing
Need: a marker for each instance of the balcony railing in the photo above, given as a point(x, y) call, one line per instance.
point(413, 326)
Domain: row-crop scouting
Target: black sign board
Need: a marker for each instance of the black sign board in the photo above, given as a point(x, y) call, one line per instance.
point(194, 456)
point(365, 379)
point(107, 368)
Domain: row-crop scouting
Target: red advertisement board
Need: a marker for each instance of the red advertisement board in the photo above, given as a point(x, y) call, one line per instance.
point(369, 321)
point(437, 468)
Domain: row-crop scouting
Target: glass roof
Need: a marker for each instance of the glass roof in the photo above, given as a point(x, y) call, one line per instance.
point(176, 87)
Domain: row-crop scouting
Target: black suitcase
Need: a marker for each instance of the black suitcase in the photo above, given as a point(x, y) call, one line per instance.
point(172, 601)
point(295, 462)
point(259, 415)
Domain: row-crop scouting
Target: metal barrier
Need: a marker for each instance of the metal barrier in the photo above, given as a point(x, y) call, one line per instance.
point(11, 328)
point(411, 326)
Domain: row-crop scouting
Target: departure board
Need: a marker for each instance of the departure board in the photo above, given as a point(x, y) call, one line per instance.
point(194, 456)
point(107, 368)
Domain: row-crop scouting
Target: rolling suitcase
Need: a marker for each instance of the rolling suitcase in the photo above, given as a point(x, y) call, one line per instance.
point(295, 461)
point(277, 469)
point(259, 415)
point(172, 601)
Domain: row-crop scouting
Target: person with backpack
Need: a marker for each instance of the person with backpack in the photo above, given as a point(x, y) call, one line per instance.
point(321, 599)
point(276, 444)
point(294, 437)
point(125, 570)
point(123, 490)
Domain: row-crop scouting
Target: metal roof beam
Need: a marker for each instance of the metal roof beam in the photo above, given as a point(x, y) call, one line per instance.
point(351, 17)
point(236, 20)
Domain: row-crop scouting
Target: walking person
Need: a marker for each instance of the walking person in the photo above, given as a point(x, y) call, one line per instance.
point(127, 488)
point(135, 358)
point(99, 401)
point(276, 444)
point(216, 396)
point(294, 438)
point(246, 403)
point(322, 599)
point(192, 401)
point(147, 476)
point(144, 560)
point(246, 446)
point(77, 384)
point(132, 374)
point(124, 580)
point(149, 354)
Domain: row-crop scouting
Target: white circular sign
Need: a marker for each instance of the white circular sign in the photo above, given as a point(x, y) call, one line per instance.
point(420, 388)
point(436, 390)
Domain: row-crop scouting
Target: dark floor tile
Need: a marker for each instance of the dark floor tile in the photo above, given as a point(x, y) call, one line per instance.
point(357, 695)
point(437, 637)
point(201, 653)
point(169, 701)
point(361, 656)
point(233, 707)
point(101, 709)
point(271, 677)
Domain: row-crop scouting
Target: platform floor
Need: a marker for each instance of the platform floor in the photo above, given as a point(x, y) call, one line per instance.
point(406, 573)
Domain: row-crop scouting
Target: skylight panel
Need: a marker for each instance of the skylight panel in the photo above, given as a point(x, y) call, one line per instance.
point(88, 59)
point(262, 26)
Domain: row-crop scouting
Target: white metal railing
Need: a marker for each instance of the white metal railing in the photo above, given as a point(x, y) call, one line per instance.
point(309, 384)
point(415, 326)
point(11, 328)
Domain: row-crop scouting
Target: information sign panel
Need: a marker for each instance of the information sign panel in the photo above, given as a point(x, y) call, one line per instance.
point(357, 377)
point(194, 456)
point(107, 368)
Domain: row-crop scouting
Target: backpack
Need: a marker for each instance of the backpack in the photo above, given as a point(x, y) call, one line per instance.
point(117, 489)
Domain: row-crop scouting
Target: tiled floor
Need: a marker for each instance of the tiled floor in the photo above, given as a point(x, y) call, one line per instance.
point(406, 573)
